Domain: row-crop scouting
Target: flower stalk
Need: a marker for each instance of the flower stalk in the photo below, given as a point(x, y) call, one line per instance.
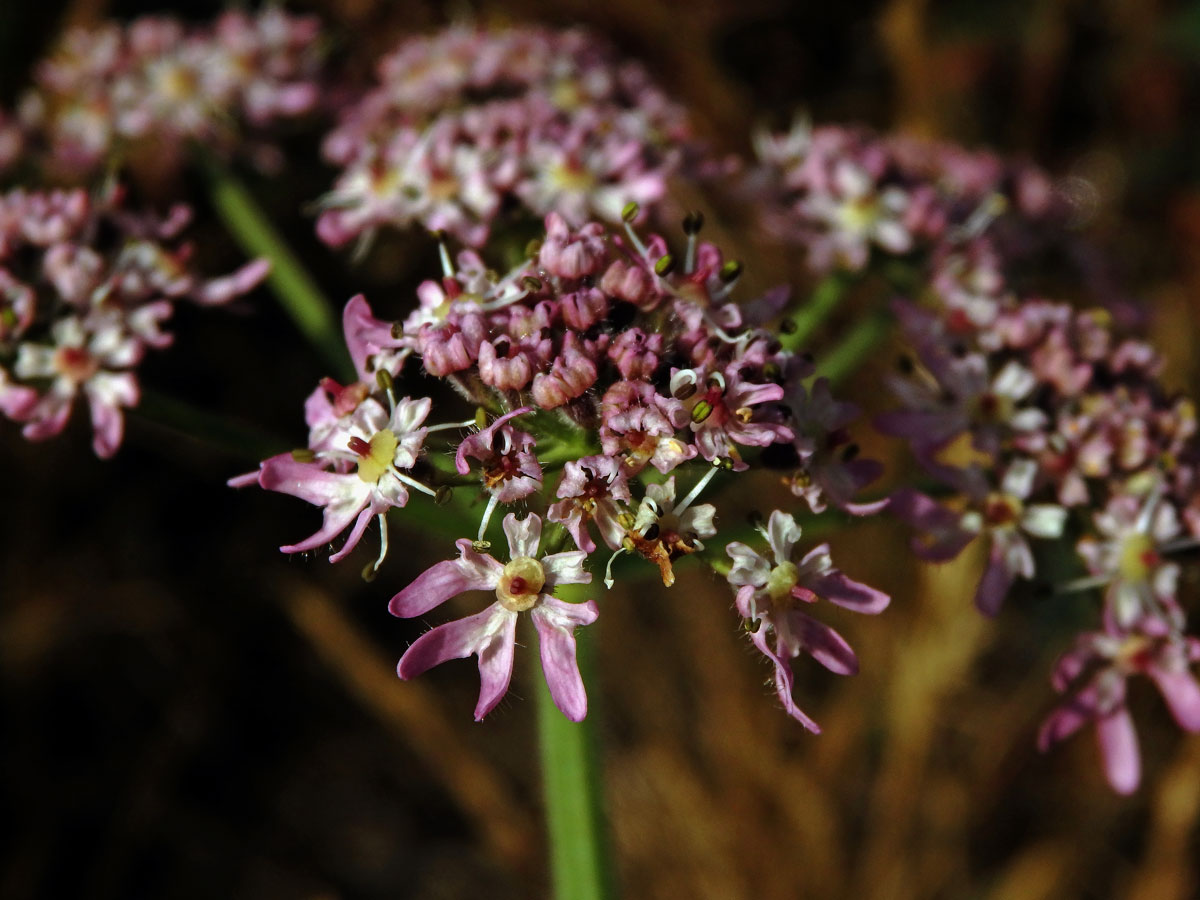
point(576, 833)
point(292, 285)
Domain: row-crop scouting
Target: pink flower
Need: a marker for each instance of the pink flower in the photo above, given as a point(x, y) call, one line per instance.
point(769, 597)
point(1093, 673)
point(525, 584)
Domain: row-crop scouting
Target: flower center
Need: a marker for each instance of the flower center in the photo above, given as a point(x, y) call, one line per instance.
point(75, 363)
point(376, 457)
point(521, 584)
point(1138, 557)
point(781, 581)
point(1000, 510)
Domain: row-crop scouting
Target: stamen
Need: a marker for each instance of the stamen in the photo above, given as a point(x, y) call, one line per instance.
point(608, 579)
point(487, 516)
point(444, 255)
point(448, 425)
point(695, 492)
point(412, 482)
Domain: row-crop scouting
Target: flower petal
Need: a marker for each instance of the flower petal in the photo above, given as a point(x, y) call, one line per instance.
point(556, 621)
point(524, 535)
point(472, 571)
point(1119, 748)
point(824, 644)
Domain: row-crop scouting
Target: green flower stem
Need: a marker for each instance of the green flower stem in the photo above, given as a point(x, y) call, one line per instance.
point(293, 287)
point(576, 831)
point(855, 348)
point(209, 428)
point(819, 307)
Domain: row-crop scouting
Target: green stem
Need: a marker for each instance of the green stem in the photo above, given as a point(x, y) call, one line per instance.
point(579, 851)
point(293, 287)
point(819, 307)
point(209, 428)
point(854, 349)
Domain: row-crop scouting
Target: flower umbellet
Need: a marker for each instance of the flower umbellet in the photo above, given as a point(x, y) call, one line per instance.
point(641, 421)
point(86, 288)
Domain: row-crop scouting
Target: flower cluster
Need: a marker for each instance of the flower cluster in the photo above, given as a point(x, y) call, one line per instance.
point(1045, 424)
point(85, 288)
point(844, 193)
point(470, 123)
point(140, 93)
point(626, 368)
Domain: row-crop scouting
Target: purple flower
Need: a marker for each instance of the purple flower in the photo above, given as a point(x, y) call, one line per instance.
point(769, 594)
point(525, 584)
point(1093, 675)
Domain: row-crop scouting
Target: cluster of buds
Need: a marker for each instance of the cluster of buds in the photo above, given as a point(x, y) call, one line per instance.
point(85, 288)
point(469, 124)
point(1044, 424)
point(141, 93)
point(627, 369)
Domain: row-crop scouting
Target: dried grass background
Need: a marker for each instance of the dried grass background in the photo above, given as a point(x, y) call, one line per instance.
point(188, 714)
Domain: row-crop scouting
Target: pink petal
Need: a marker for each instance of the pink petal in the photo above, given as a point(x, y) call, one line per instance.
point(994, 585)
point(837, 588)
point(470, 572)
point(783, 681)
point(1182, 693)
point(824, 644)
point(1119, 749)
point(556, 621)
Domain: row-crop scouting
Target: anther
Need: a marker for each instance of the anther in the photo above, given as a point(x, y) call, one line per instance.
point(383, 378)
point(850, 453)
point(531, 283)
point(397, 330)
point(443, 495)
point(684, 390)
point(630, 212)
point(369, 571)
point(480, 418)
point(693, 222)
point(652, 531)
point(730, 271)
point(788, 326)
point(701, 411)
point(304, 455)
point(664, 266)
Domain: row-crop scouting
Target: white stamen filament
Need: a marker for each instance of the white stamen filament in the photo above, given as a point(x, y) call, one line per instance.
point(449, 425)
point(412, 482)
point(608, 579)
point(695, 492)
point(487, 516)
point(383, 542)
point(637, 243)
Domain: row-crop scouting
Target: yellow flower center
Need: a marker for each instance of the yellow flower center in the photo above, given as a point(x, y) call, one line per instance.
point(378, 456)
point(521, 584)
point(781, 581)
point(1138, 557)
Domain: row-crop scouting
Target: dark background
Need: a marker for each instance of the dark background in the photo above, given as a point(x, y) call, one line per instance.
point(184, 712)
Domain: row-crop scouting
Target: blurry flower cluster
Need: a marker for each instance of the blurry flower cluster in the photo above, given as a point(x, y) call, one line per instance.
point(138, 94)
point(624, 369)
point(843, 192)
point(1044, 424)
point(85, 288)
point(467, 125)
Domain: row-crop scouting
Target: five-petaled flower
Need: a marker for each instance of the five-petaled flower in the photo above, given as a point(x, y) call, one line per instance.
point(525, 584)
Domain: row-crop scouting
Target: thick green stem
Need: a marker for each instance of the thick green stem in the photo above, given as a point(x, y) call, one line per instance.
point(295, 289)
point(571, 776)
point(819, 307)
point(855, 348)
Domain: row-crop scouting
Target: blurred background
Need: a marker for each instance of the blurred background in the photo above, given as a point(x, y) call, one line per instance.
point(187, 713)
